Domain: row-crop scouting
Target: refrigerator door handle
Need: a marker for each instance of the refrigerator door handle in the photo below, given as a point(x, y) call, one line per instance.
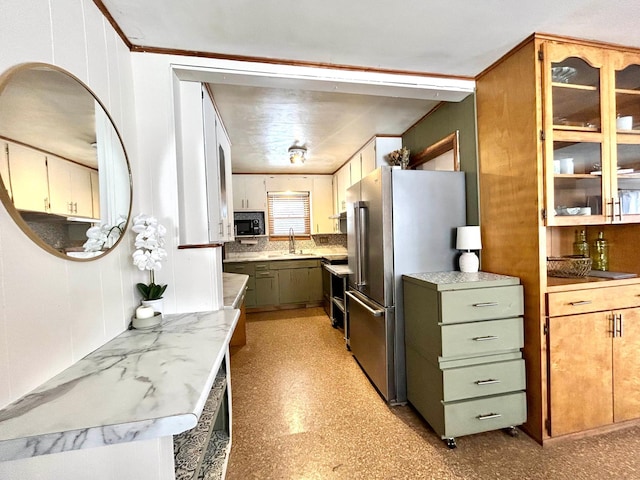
point(376, 312)
point(360, 227)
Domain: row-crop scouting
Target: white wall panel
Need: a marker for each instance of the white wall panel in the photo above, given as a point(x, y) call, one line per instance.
point(69, 50)
point(97, 57)
point(25, 32)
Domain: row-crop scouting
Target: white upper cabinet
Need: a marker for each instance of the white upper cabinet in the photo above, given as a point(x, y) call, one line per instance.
point(343, 180)
point(29, 182)
point(374, 153)
point(204, 189)
point(322, 204)
point(291, 183)
point(69, 188)
point(249, 192)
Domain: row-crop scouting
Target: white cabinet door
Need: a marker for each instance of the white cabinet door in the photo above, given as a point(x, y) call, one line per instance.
point(368, 158)
point(355, 165)
point(321, 204)
point(193, 224)
point(69, 188)
point(215, 211)
point(28, 179)
point(226, 184)
point(249, 192)
point(293, 183)
point(344, 182)
point(383, 147)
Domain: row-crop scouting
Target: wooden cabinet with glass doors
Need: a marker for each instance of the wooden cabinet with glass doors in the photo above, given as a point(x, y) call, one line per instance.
point(592, 135)
point(558, 124)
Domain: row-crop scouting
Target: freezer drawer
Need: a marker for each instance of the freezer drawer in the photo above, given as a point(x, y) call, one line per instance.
point(370, 342)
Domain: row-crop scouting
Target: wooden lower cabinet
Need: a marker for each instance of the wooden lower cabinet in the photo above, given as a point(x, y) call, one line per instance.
point(626, 366)
point(593, 369)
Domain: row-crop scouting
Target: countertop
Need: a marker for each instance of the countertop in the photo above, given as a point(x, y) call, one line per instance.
point(233, 285)
point(142, 384)
point(279, 255)
point(460, 280)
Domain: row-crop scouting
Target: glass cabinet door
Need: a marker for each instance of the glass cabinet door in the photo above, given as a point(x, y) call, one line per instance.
point(626, 154)
point(575, 129)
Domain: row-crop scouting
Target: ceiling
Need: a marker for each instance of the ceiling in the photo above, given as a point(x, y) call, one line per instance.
point(453, 38)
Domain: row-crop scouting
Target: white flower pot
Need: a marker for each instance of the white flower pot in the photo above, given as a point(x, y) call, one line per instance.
point(157, 305)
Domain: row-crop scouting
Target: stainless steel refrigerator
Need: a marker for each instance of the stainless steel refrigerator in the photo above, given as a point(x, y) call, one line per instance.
point(398, 221)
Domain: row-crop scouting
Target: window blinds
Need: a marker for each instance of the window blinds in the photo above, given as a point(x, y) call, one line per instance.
point(289, 210)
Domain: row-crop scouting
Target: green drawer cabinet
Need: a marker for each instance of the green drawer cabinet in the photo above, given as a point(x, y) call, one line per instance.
point(280, 282)
point(464, 334)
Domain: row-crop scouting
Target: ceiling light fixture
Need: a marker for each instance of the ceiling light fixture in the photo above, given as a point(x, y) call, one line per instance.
point(297, 154)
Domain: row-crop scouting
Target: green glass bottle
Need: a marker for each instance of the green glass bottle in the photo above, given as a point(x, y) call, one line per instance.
point(580, 246)
point(600, 253)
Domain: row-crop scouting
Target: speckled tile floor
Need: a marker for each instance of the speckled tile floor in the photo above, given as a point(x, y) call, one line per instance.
point(303, 409)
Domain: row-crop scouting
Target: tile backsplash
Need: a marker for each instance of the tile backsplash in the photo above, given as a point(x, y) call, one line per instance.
point(329, 241)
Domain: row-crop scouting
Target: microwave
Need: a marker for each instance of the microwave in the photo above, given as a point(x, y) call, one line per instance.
point(248, 227)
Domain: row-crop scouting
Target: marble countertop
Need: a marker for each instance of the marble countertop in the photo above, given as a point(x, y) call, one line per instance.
point(233, 286)
point(142, 384)
point(279, 255)
point(460, 280)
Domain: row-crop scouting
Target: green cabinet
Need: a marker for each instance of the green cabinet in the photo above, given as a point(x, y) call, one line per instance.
point(280, 282)
point(464, 334)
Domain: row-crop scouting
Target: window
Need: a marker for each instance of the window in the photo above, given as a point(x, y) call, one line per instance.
point(289, 210)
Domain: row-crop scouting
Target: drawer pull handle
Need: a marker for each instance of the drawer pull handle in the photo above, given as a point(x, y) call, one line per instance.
point(486, 304)
point(484, 339)
point(581, 302)
point(489, 416)
point(489, 381)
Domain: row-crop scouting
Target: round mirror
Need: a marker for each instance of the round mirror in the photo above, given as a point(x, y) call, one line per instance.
point(65, 176)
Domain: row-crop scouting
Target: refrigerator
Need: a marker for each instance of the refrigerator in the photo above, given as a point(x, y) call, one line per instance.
point(398, 221)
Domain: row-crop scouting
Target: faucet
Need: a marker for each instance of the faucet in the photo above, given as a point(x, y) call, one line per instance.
point(292, 241)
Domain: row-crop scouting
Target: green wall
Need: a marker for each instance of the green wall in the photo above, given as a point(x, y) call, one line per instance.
point(447, 118)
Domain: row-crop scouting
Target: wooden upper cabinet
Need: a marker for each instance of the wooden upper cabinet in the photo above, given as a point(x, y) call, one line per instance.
point(575, 125)
point(591, 121)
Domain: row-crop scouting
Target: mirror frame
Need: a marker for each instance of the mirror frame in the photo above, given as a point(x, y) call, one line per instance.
point(4, 194)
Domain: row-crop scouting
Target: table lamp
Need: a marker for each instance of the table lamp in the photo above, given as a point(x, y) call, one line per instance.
point(468, 238)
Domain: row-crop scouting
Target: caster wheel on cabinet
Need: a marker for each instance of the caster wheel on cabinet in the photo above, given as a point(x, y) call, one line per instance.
point(511, 431)
point(451, 443)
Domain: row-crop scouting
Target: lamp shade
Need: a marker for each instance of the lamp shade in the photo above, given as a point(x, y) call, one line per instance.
point(468, 238)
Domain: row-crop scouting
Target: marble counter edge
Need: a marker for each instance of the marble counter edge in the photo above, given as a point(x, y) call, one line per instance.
point(152, 399)
point(455, 280)
point(338, 270)
point(233, 287)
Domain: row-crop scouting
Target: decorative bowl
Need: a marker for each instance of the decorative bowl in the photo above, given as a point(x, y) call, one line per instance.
point(146, 323)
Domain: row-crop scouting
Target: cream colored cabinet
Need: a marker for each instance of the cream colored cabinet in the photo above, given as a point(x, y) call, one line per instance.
point(355, 168)
point(205, 191)
point(292, 183)
point(343, 181)
point(69, 188)
point(29, 182)
point(322, 205)
point(249, 193)
point(593, 358)
point(374, 153)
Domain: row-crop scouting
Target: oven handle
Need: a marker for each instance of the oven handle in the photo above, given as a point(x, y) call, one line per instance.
point(376, 312)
